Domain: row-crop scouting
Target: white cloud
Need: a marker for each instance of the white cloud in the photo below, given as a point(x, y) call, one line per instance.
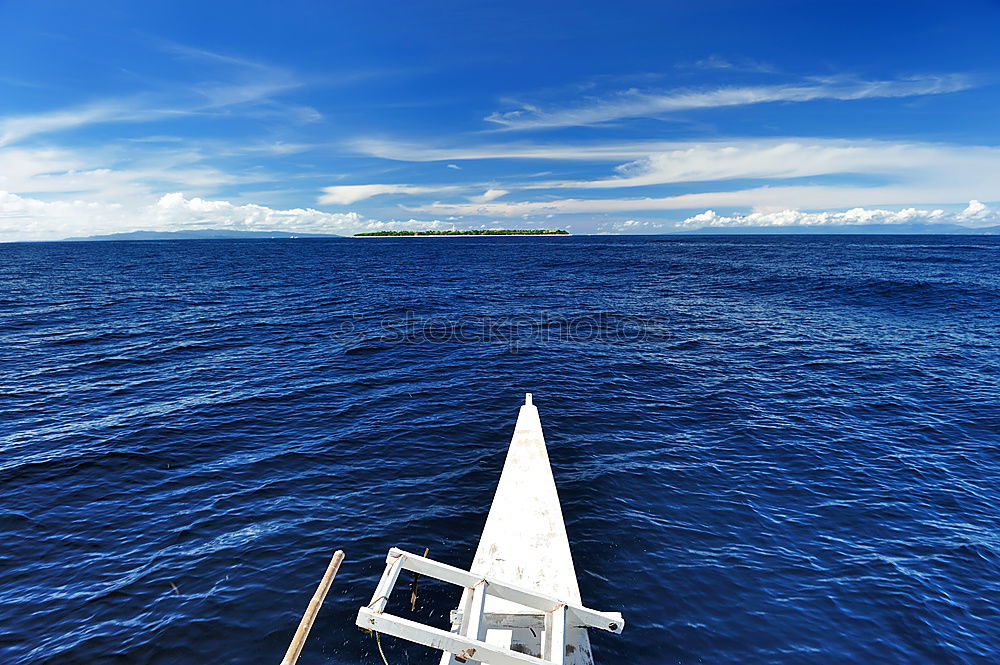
point(645, 163)
point(636, 103)
point(794, 158)
point(740, 64)
point(108, 173)
point(860, 172)
point(905, 173)
point(209, 98)
point(489, 195)
point(174, 211)
point(17, 128)
point(348, 194)
point(243, 84)
point(411, 151)
point(23, 218)
point(976, 214)
point(758, 198)
point(636, 225)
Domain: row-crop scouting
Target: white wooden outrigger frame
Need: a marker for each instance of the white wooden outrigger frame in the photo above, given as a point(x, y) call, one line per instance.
point(521, 603)
point(554, 615)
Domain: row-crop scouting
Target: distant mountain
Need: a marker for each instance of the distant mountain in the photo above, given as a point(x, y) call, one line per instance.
point(883, 229)
point(200, 234)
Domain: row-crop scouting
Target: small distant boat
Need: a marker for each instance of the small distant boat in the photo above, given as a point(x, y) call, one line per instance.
point(521, 601)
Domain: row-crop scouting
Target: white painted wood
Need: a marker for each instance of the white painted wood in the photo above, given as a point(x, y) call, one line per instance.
point(535, 621)
point(555, 635)
point(524, 542)
point(546, 635)
point(436, 638)
point(393, 566)
point(466, 613)
point(476, 628)
point(500, 637)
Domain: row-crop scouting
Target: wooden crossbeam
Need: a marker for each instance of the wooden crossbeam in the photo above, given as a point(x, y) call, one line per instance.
point(393, 566)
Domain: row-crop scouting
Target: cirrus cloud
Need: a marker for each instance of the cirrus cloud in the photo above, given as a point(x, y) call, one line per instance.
point(348, 194)
point(794, 158)
point(634, 103)
point(816, 197)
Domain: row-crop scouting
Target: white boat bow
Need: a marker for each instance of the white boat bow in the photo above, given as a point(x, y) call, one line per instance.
point(521, 600)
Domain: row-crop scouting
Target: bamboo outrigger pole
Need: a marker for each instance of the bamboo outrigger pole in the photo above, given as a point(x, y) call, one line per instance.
point(299, 640)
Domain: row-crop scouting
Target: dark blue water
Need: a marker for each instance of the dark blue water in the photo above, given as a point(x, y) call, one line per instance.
point(769, 450)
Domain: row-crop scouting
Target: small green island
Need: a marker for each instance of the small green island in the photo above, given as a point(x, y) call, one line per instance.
point(473, 232)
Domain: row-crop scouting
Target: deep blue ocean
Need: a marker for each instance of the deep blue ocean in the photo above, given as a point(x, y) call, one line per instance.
point(768, 449)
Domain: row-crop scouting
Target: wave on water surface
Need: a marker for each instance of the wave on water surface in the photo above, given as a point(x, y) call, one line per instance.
point(789, 457)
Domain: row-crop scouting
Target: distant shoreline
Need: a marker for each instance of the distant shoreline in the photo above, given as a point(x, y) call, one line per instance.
point(487, 233)
point(483, 235)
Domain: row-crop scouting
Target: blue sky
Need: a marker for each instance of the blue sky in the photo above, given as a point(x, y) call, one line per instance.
point(627, 117)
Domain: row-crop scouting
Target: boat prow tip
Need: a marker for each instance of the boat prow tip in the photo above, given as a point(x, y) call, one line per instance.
point(527, 399)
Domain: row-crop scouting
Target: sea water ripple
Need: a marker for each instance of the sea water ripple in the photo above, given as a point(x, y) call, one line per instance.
point(768, 449)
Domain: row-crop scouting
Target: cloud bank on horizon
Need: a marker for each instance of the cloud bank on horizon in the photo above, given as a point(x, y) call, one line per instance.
point(175, 212)
point(327, 126)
